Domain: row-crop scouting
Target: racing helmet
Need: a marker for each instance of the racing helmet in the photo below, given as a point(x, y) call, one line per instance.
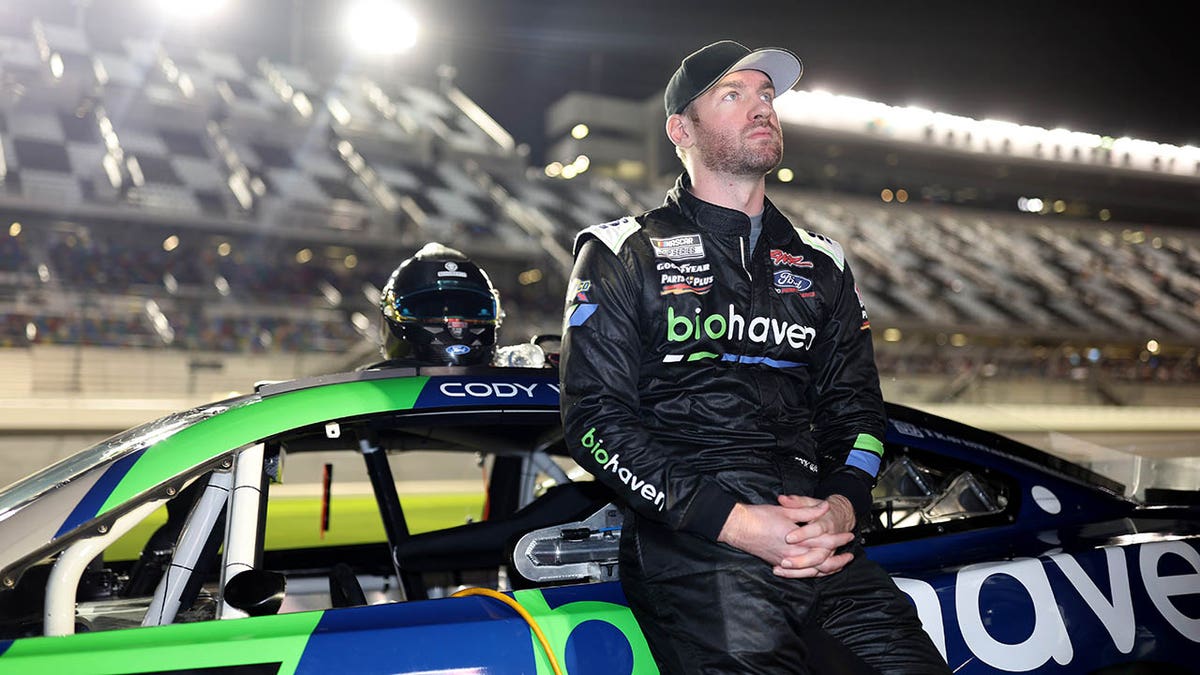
point(439, 308)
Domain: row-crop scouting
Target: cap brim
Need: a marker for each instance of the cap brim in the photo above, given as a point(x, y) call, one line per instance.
point(783, 67)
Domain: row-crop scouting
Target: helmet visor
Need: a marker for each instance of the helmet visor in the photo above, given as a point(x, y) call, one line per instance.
point(432, 303)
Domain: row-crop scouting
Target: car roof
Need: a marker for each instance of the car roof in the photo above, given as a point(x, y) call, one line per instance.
point(100, 481)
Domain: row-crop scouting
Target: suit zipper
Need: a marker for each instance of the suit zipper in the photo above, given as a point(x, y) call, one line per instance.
point(745, 267)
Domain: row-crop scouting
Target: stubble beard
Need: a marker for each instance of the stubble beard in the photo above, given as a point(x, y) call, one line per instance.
point(730, 153)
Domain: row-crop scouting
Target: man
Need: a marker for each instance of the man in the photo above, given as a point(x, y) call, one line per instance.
point(718, 374)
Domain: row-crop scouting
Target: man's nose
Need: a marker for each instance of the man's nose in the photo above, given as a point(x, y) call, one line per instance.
point(761, 110)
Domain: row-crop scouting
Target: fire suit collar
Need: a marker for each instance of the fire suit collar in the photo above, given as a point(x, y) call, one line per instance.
point(719, 219)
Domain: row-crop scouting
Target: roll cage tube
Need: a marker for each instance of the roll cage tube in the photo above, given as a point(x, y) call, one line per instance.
point(59, 611)
point(192, 541)
point(538, 462)
point(390, 510)
point(242, 525)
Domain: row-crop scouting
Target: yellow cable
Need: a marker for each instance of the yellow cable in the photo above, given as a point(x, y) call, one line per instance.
point(537, 630)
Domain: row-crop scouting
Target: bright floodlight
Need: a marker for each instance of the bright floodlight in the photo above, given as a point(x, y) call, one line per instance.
point(381, 27)
point(191, 9)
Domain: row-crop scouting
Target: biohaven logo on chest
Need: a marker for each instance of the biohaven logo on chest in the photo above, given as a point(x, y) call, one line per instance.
point(734, 326)
point(683, 247)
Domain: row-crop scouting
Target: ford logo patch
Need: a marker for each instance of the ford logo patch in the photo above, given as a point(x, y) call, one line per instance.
point(457, 350)
point(790, 282)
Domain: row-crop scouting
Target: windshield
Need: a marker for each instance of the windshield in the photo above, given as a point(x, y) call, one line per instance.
point(107, 450)
point(1140, 463)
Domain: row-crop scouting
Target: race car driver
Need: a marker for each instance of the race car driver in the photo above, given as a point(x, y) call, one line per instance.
point(717, 372)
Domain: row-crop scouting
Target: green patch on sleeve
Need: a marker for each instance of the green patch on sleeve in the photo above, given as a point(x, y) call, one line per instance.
point(869, 443)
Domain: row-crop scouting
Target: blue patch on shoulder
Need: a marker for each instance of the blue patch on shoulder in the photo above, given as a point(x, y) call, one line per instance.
point(582, 313)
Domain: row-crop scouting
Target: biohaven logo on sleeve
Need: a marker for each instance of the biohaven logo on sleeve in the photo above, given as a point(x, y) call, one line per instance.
point(611, 462)
point(683, 247)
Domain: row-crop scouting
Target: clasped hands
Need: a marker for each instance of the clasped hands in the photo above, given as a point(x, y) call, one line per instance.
point(798, 537)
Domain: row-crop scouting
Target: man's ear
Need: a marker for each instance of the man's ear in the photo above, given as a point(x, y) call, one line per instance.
point(679, 130)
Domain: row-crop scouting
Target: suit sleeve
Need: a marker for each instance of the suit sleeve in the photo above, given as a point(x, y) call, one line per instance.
point(600, 364)
point(848, 412)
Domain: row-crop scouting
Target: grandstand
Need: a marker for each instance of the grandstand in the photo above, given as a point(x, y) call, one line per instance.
point(177, 222)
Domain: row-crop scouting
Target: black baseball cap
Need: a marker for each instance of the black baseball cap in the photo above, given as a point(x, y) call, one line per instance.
point(705, 66)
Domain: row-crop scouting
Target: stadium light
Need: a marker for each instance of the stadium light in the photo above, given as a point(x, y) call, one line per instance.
point(381, 27)
point(579, 131)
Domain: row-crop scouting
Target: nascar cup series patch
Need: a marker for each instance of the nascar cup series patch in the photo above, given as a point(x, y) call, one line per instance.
point(682, 247)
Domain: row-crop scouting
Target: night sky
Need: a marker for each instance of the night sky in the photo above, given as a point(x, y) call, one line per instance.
point(1087, 66)
point(1106, 67)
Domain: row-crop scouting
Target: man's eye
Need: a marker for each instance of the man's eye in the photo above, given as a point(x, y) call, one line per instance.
point(768, 97)
point(731, 96)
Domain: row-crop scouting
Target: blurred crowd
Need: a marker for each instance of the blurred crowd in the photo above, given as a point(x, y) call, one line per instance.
point(213, 292)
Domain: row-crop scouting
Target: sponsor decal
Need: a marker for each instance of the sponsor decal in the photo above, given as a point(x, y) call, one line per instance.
point(598, 630)
point(675, 284)
point(866, 322)
point(787, 281)
point(579, 289)
point(456, 328)
point(736, 327)
point(683, 247)
point(452, 270)
point(457, 350)
point(781, 258)
point(495, 389)
point(1041, 599)
point(682, 268)
point(806, 464)
point(907, 429)
point(611, 462)
point(460, 391)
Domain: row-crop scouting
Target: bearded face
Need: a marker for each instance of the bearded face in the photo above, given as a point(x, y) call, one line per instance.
point(752, 148)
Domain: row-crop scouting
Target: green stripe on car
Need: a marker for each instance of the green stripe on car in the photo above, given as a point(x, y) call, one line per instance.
point(208, 644)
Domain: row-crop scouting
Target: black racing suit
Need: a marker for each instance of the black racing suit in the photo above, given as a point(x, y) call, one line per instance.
point(697, 374)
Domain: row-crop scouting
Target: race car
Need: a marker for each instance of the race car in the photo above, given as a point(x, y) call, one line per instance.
point(1017, 561)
